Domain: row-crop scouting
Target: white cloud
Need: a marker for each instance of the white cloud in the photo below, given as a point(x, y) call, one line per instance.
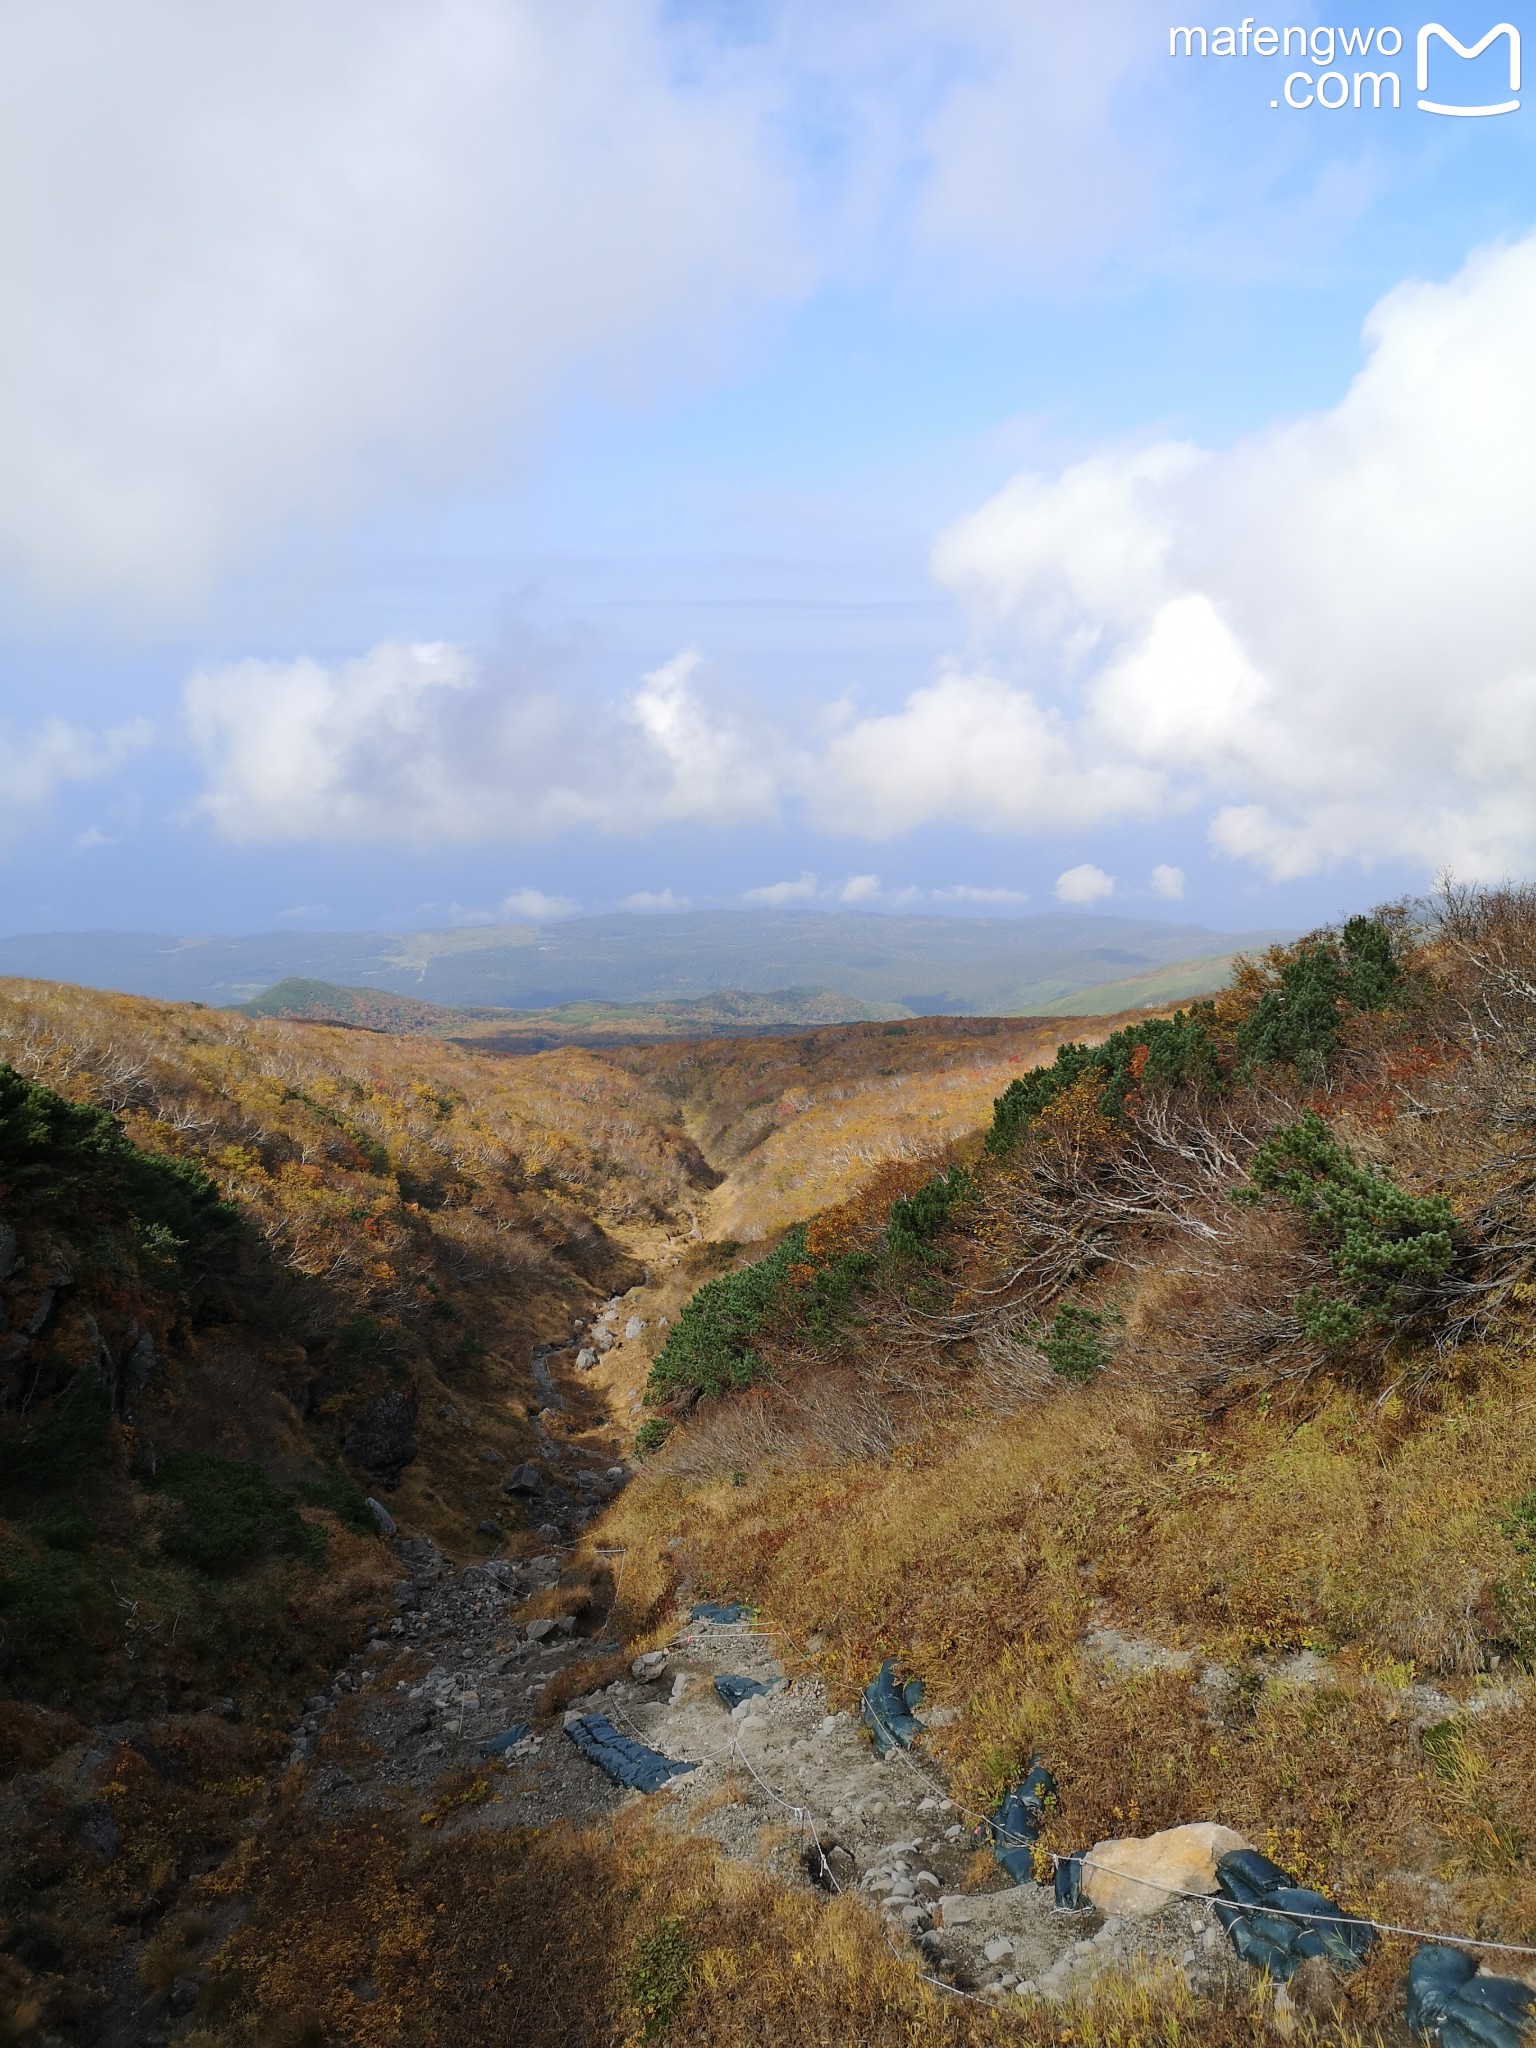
point(268, 263)
point(1084, 884)
point(860, 889)
point(1167, 882)
point(776, 895)
point(518, 906)
point(417, 742)
point(1326, 634)
point(35, 766)
point(964, 892)
point(656, 901)
point(971, 749)
point(537, 908)
point(715, 770)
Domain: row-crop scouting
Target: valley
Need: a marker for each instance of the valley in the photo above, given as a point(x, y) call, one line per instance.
point(1151, 1388)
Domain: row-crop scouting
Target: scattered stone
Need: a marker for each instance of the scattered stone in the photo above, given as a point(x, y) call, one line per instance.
point(489, 1529)
point(586, 1359)
point(1133, 1654)
point(649, 1664)
point(997, 1948)
point(491, 1457)
point(541, 1630)
point(524, 1478)
point(635, 1327)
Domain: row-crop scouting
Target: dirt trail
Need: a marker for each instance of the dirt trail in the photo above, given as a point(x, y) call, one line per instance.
point(469, 1674)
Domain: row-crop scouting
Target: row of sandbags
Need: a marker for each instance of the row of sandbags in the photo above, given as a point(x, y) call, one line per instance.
point(1272, 1922)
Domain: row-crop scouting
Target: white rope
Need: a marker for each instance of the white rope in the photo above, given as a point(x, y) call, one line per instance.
point(1508, 1948)
point(1467, 1941)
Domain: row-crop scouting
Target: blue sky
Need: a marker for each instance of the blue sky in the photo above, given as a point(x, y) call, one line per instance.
point(493, 461)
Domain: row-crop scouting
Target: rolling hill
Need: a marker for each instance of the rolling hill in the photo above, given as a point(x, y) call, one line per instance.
point(925, 965)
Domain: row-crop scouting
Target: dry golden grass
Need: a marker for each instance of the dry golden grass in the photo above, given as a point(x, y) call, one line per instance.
point(800, 1123)
point(369, 1933)
point(983, 1555)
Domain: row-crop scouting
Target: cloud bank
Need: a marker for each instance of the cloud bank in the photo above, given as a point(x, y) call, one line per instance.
point(416, 742)
point(273, 265)
point(1322, 641)
point(35, 766)
point(279, 262)
point(1324, 636)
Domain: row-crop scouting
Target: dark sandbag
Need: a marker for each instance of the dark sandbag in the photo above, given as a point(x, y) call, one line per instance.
point(509, 1738)
point(628, 1763)
point(733, 1691)
point(887, 1709)
point(710, 1610)
point(1245, 1874)
point(1448, 2003)
point(1434, 1977)
point(1506, 1996)
point(1014, 1828)
point(1069, 1883)
point(1328, 1931)
point(1275, 1925)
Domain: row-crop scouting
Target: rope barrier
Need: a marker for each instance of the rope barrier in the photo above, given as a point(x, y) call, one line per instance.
point(1508, 1948)
point(1008, 1836)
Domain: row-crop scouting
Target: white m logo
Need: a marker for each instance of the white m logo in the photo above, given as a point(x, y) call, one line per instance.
point(1504, 28)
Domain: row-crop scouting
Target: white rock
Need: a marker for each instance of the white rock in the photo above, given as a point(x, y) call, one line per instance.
point(957, 1909)
point(635, 1327)
point(585, 1360)
point(998, 1947)
point(1136, 1877)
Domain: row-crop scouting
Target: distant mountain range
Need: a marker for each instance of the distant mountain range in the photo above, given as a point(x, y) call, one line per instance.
point(728, 1013)
point(1056, 963)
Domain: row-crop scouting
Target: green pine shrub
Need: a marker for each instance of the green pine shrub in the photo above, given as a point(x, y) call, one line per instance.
point(1382, 1242)
point(226, 1513)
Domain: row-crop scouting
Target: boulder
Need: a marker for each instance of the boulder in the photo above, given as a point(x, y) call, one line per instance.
point(523, 1478)
point(383, 1520)
point(98, 1831)
point(381, 1436)
point(1131, 1878)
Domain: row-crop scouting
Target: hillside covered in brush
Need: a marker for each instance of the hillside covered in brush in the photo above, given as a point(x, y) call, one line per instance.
point(1179, 1432)
point(1155, 1391)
